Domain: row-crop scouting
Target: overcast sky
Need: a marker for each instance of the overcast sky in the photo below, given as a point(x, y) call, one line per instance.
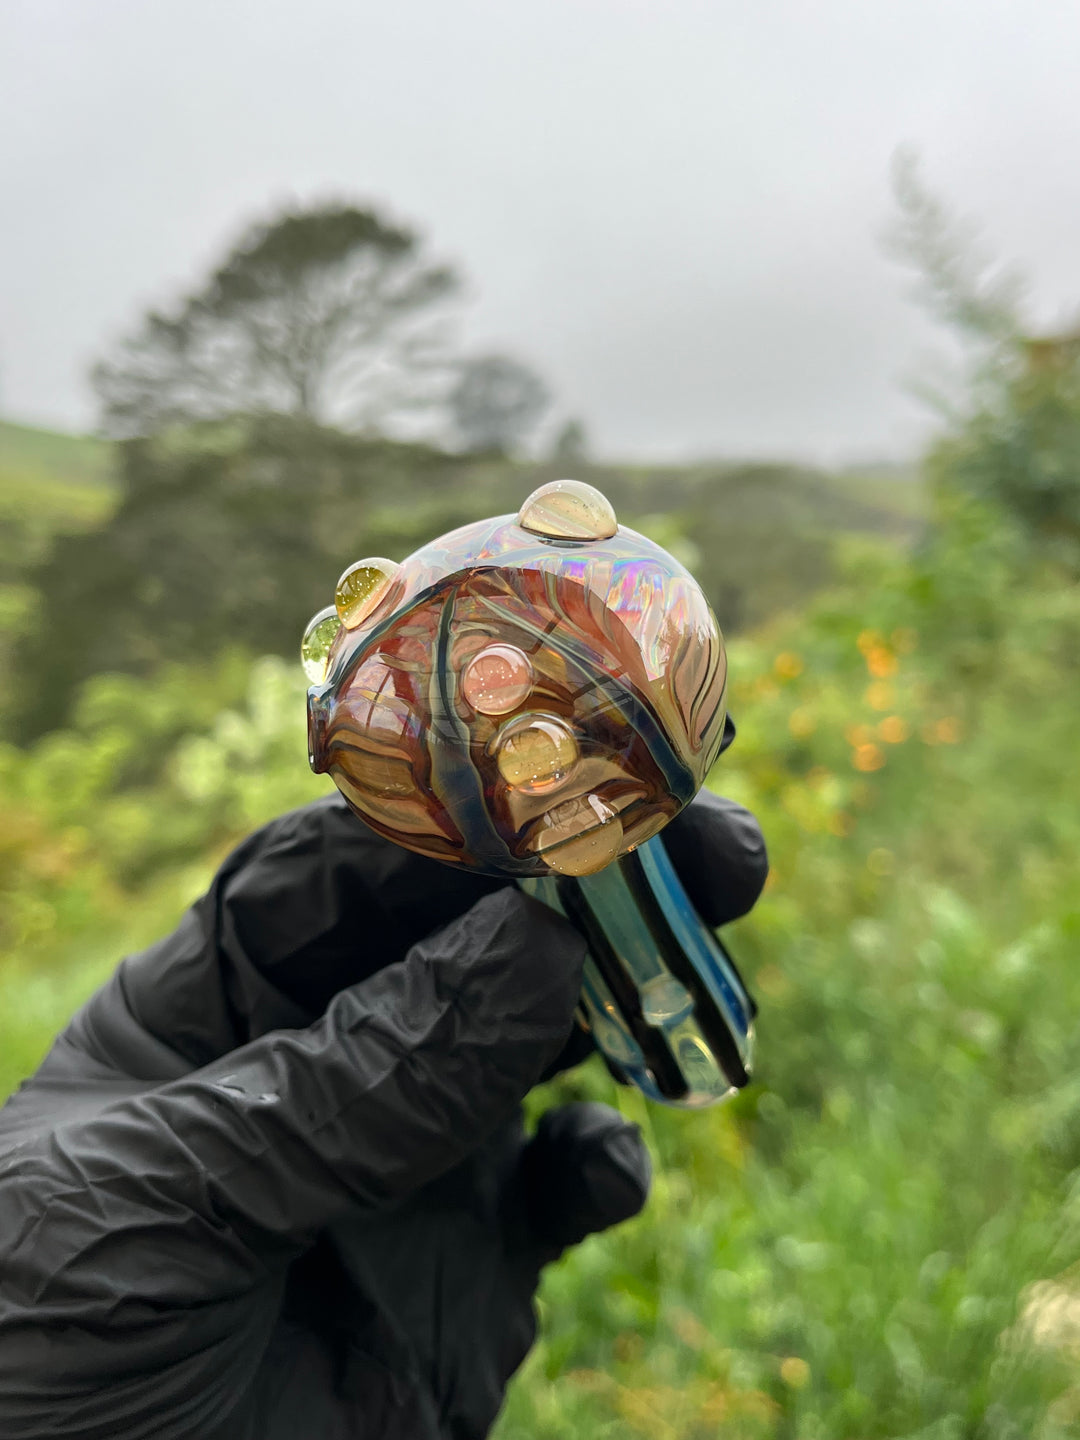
point(672, 208)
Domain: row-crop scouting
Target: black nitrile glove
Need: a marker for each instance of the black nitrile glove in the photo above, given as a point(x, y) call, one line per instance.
point(271, 1183)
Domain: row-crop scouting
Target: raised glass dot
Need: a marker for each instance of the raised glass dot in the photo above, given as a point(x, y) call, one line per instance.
point(361, 588)
point(568, 510)
point(614, 1041)
point(665, 999)
point(580, 836)
point(536, 753)
point(497, 680)
point(315, 646)
point(699, 1066)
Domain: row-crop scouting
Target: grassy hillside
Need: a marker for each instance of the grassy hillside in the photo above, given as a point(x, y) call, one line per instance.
point(240, 531)
point(897, 489)
point(28, 453)
point(882, 499)
point(51, 485)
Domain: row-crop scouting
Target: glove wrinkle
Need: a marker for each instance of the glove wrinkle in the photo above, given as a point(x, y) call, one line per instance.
point(176, 989)
point(112, 1035)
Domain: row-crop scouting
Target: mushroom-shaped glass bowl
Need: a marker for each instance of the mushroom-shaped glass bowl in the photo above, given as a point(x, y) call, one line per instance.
point(536, 696)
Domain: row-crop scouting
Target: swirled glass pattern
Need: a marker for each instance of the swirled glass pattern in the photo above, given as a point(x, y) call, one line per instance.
point(524, 703)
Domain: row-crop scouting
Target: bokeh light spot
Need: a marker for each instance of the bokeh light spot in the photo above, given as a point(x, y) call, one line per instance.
point(894, 730)
point(868, 757)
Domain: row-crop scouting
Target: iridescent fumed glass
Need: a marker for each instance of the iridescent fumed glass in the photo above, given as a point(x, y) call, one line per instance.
point(536, 696)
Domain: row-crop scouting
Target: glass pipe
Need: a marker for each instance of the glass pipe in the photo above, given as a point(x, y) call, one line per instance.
point(536, 696)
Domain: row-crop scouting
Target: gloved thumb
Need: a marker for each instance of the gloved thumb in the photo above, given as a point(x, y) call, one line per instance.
point(585, 1169)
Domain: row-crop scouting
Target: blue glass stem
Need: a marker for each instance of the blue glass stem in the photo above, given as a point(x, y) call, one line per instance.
point(661, 996)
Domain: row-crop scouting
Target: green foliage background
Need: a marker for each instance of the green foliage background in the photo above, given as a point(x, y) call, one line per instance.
point(880, 1237)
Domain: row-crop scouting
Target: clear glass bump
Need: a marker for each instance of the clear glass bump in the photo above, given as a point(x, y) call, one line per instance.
point(497, 680)
point(700, 1066)
point(536, 753)
point(664, 1000)
point(568, 510)
point(361, 588)
point(580, 836)
point(315, 646)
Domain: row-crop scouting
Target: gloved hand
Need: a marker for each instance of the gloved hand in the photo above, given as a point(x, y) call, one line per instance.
point(271, 1181)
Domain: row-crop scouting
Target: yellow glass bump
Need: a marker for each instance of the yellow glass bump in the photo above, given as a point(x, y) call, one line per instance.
point(535, 753)
point(568, 510)
point(362, 587)
point(315, 646)
point(580, 836)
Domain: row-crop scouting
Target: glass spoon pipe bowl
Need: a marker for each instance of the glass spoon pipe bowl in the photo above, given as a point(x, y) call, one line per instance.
point(536, 696)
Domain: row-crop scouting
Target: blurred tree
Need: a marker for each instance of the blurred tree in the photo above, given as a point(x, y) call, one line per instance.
point(495, 403)
point(329, 313)
point(233, 535)
point(571, 444)
point(1015, 435)
point(961, 287)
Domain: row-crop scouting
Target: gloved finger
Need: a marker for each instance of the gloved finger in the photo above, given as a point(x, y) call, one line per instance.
point(196, 1190)
point(579, 1047)
point(456, 1267)
point(309, 904)
point(584, 1170)
point(719, 853)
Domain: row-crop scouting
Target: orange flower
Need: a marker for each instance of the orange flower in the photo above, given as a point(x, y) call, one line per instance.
point(941, 732)
point(868, 640)
point(879, 695)
point(858, 734)
point(787, 665)
point(801, 723)
point(894, 730)
point(881, 662)
point(868, 757)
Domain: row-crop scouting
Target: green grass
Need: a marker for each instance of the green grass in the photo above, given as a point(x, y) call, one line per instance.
point(880, 1238)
